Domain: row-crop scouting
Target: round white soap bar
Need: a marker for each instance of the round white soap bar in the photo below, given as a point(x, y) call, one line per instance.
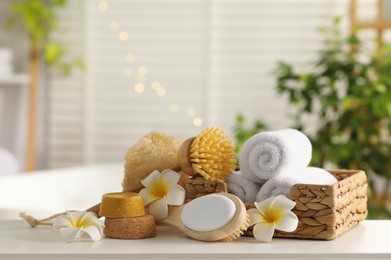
point(208, 213)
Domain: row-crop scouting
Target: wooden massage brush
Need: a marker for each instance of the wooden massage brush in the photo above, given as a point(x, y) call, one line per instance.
point(215, 217)
point(209, 154)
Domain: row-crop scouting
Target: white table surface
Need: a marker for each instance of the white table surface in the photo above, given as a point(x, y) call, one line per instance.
point(369, 240)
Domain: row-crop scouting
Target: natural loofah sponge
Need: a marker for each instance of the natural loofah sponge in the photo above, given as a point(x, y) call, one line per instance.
point(210, 154)
point(154, 151)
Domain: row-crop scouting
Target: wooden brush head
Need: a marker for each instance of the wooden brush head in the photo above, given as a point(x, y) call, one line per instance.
point(210, 154)
point(184, 157)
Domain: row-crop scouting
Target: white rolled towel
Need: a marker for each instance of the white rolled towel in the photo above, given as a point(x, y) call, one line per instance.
point(242, 187)
point(281, 185)
point(268, 154)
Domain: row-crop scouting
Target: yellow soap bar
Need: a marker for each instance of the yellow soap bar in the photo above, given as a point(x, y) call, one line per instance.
point(121, 205)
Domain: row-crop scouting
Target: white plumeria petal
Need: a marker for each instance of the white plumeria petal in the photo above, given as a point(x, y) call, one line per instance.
point(150, 178)
point(70, 234)
point(92, 232)
point(148, 196)
point(255, 216)
point(264, 205)
point(170, 176)
point(176, 195)
point(93, 219)
point(288, 221)
point(263, 232)
point(272, 213)
point(73, 214)
point(62, 221)
point(283, 202)
point(77, 224)
point(76, 216)
point(159, 209)
point(162, 190)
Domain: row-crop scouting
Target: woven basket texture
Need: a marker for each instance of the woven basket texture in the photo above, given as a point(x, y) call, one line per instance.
point(199, 186)
point(327, 211)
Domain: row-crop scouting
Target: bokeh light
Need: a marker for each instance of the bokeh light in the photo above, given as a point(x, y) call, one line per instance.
point(139, 88)
point(174, 108)
point(123, 36)
point(197, 121)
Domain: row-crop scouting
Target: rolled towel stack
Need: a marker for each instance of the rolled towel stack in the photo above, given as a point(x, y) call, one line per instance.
point(242, 187)
point(281, 185)
point(268, 154)
point(272, 162)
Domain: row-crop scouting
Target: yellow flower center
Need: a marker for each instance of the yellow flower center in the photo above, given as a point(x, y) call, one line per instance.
point(272, 215)
point(85, 222)
point(159, 188)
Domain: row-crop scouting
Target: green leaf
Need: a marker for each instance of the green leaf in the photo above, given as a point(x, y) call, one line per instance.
point(242, 133)
point(80, 64)
point(60, 3)
point(65, 69)
point(53, 52)
point(348, 89)
point(380, 88)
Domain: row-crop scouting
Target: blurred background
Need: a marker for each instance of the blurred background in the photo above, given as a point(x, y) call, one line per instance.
point(81, 81)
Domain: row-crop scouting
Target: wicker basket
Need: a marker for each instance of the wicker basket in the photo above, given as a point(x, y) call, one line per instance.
point(327, 211)
point(199, 186)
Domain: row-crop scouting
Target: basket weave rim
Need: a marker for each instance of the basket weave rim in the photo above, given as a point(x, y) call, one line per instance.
point(332, 186)
point(341, 206)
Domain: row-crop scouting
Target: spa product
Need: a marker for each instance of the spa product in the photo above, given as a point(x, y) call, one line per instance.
point(199, 186)
point(125, 217)
point(268, 154)
point(210, 154)
point(242, 187)
point(281, 185)
point(121, 205)
point(214, 217)
point(130, 228)
point(154, 151)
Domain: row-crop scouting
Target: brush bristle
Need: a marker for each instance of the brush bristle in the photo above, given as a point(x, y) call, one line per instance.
point(238, 232)
point(212, 154)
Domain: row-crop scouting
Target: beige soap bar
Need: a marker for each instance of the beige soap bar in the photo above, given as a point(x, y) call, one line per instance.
point(121, 205)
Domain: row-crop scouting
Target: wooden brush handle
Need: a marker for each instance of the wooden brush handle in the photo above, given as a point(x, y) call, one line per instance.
point(184, 157)
point(174, 218)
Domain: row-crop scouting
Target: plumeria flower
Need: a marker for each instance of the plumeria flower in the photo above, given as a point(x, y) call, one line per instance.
point(79, 225)
point(161, 190)
point(272, 213)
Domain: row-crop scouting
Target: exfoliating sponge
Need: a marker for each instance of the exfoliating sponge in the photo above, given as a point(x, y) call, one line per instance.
point(154, 151)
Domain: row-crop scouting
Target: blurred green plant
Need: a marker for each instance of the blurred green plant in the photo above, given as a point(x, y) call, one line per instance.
point(243, 132)
point(348, 89)
point(39, 19)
